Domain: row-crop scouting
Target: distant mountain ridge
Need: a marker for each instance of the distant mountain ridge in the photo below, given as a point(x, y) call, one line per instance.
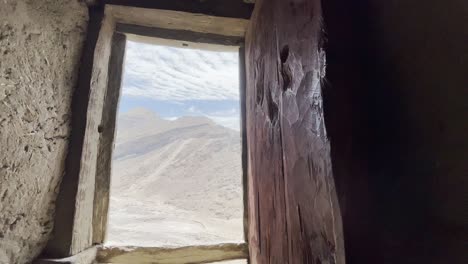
point(189, 166)
point(143, 122)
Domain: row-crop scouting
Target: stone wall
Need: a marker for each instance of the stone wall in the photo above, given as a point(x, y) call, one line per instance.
point(40, 51)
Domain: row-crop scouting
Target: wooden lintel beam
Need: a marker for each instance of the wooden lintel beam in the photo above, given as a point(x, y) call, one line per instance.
point(180, 35)
point(191, 254)
point(177, 20)
point(219, 8)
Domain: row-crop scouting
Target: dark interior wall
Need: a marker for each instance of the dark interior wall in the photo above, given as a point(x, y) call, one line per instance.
point(396, 111)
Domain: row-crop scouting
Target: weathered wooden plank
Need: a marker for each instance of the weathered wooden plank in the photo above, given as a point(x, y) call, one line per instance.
point(106, 138)
point(178, 20)
point(221, 8)
point(182, 35)
point(243, 99)
point(181, 43)
point(83, 219)
point(293, 211)
point(184, 255)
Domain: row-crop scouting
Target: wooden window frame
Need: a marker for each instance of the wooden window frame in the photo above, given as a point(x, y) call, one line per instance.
point(82, 204)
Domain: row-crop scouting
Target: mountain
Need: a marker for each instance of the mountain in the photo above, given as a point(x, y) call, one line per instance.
point(175, 183)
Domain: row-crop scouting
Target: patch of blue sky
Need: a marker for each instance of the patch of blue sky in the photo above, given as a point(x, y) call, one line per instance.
point(175, 82)
point(224, 112)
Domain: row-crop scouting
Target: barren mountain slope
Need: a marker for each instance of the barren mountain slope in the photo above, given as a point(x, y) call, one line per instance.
point(175, 183)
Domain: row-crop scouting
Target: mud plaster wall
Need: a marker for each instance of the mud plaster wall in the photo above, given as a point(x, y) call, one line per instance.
point(396, 110)
point(40, 50)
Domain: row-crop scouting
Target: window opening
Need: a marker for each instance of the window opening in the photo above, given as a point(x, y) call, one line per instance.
point(176, 177)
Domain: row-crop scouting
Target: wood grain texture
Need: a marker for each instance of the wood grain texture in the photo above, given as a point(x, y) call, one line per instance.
point(184, 255)
point(106, 138)
point(181, 35)
point(220, 8)
point(83, 218)
point(245, 162)
point(293, 210)
point(181, 43)
point(178, 20)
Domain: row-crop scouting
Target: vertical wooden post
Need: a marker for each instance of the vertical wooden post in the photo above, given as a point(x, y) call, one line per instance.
point(73, 227)
point(293, 210)
point(245, 185)
point(106, 139)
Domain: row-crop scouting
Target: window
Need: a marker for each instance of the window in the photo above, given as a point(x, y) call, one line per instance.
point(176, 175)
point(179, 165)
point(83, 201)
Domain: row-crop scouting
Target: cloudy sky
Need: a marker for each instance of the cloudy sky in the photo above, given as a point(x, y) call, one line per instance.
point(176, 82)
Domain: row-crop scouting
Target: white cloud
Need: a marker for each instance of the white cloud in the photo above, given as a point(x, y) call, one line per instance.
point(176, 74)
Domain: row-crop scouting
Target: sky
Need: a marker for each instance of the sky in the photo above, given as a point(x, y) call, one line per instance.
point(176, 82)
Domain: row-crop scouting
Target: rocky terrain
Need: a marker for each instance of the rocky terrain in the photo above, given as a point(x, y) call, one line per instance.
point(175, 183)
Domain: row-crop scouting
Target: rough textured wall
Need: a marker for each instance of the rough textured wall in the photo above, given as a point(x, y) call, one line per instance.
point(396, 110)
point(293, 210)
point(40, 50)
